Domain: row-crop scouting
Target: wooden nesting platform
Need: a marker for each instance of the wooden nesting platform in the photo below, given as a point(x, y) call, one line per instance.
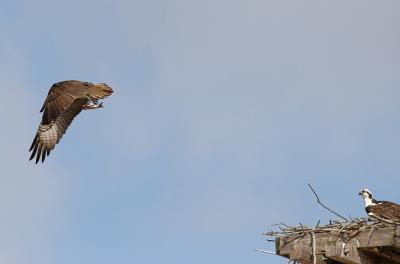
point(354, 242)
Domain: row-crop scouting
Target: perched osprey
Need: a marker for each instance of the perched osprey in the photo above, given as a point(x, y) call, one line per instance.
point(64, 101)
point(381, 210)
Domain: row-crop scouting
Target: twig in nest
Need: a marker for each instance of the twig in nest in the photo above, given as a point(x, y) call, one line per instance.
point(314, 257)
point(316, 227)
point(266, 251)
point(327, 208)
point(384, 220)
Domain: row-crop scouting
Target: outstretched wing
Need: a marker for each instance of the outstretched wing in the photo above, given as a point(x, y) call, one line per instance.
point(63, 94)
point(48, 135)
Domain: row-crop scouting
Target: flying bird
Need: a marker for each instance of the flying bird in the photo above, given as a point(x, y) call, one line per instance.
point(382, 210)
point(64, 102)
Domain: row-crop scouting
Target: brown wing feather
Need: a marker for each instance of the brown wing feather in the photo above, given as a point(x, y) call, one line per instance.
point(387, 210)
point(62, 94)
point(57, 101)
point(48, 135)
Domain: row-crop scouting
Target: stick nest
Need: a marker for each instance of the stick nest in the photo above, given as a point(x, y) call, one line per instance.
point(340, 227)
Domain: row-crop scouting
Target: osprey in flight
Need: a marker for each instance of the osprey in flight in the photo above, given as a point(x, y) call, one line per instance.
point(64, 101)
point(381, 210)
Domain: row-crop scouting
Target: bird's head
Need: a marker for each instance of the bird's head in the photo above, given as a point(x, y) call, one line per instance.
point(365, 193)
point(367, 196)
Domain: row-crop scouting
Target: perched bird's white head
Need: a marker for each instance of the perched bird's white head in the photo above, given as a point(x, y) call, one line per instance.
point(365, 193)
point(367, 196)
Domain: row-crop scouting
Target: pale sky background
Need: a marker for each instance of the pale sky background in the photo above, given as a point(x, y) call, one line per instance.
point(223, 112)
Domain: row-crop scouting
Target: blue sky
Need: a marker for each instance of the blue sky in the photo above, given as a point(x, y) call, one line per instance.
point(223, 112)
